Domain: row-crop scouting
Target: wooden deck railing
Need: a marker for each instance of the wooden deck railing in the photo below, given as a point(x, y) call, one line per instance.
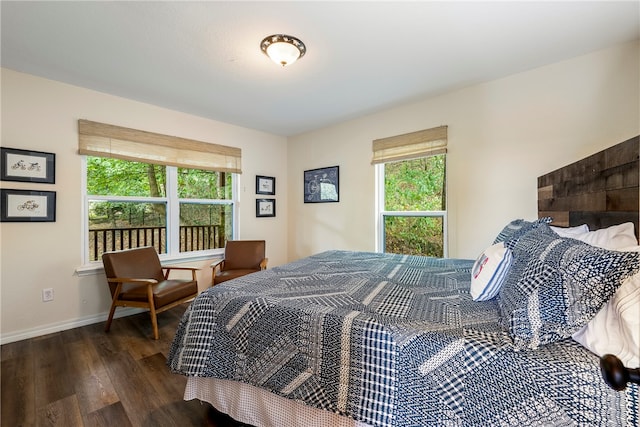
point(192, 238)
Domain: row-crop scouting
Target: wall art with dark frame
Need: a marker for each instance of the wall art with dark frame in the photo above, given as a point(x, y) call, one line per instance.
point(265, 185)
point(27, 206)
point(27, 166)
point(265, 207)
point(322, 185)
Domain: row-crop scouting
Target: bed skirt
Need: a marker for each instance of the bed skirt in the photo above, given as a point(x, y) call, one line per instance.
point(251, 405)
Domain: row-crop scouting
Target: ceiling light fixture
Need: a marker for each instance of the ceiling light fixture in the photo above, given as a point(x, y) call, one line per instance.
point(283, 49)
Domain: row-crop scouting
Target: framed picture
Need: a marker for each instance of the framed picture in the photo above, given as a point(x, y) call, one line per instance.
point(265, 207)
point(265, 185)
point(27, 166)
point(27, 206)
point(322, 185)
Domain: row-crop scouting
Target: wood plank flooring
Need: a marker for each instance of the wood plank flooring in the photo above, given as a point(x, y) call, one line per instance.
point(86, 377)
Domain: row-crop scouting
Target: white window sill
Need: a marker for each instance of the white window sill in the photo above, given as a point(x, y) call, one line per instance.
point(97, 268)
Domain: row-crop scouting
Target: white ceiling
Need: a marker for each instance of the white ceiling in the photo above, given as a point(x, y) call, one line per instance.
point(204, 58)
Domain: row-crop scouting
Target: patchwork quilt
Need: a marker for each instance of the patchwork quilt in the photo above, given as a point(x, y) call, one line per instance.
point(390, 340)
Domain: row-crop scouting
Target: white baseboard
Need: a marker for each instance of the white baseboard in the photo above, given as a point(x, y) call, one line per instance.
point(69, 324)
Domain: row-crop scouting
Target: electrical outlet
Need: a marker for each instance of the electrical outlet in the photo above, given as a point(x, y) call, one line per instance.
point(47, 294)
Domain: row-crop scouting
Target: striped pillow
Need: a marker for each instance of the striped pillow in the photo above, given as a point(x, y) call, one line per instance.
point(489, 272)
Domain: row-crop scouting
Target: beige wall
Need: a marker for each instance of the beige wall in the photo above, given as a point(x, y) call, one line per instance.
point(42, 115)
point(502, 135)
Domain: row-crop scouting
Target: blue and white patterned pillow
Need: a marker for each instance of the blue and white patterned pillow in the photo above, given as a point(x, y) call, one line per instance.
point(556, 285)
point(518, 227)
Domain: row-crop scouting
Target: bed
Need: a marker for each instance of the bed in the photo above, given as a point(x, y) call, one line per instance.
point(367, 339)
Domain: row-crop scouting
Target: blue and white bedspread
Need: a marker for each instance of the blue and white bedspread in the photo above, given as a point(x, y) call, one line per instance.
point(390, 340)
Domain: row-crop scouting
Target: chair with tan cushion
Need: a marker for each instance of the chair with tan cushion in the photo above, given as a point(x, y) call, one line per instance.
point(241, 257)
point(136, 279)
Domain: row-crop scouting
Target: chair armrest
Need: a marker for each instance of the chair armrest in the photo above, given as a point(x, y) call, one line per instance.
point(217, 264)
point(131, 280)
point(263, 263)
point(122, 280)
point(168, 269)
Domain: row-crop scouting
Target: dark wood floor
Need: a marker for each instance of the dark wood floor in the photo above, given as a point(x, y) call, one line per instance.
point(86, 377)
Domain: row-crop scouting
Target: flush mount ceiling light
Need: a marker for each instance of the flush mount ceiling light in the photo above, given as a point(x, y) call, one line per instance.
point(283, 49)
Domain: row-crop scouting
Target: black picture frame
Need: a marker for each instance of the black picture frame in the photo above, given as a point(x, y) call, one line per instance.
point(265, 185)
point(265, 207)
point(27, 166)
point(27, 206)
point(322, 185)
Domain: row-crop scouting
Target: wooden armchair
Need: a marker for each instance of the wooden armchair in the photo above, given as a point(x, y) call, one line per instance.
point(240, 257)
point(136, 279)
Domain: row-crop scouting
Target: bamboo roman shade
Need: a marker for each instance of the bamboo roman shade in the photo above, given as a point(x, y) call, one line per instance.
point(423, 143)
point(99, 139)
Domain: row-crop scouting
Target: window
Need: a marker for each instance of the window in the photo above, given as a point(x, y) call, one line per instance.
point(411, 171)
point(167, 204)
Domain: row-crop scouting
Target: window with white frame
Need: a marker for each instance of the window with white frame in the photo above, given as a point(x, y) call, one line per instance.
point(411, 193)
point(141, 191)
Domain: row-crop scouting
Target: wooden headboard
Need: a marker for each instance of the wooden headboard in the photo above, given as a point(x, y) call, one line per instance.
point(599, 190)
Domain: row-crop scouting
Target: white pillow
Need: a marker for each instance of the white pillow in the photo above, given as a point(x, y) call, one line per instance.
point(612, 238)
point(489, 272)
point(570, 231)
point(615, 329)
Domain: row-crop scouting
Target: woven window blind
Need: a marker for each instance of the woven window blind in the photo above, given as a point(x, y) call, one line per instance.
point(423, 143)
point(99, 139)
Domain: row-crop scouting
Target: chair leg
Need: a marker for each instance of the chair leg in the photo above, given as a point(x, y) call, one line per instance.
point(110, 318)
point(152, 312)
point(113, 307)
